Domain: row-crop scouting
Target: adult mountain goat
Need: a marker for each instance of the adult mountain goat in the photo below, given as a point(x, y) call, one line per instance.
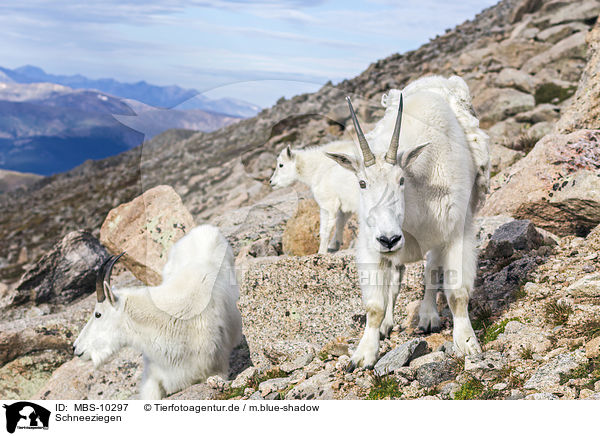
point(332, 186)
point(186, 327)
point(418, 194)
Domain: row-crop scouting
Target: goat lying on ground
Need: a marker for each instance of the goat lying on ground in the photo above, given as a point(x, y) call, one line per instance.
point(332, 186)
point(420, 200)
point(186, 327)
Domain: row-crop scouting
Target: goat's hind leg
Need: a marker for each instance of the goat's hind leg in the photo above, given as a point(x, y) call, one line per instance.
point(338, 236)
point(393, 288)
point(327, 221)
point(460, 267)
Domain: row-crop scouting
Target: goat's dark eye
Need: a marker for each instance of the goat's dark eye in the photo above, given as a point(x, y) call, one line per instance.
point(401, 181)
point(362, 184)
point(280, 165)
point(97, 314)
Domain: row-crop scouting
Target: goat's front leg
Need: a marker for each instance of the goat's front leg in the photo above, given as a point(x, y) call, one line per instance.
point(325, 227)
point(374, 300)
point(338, 237)
point(151, 386)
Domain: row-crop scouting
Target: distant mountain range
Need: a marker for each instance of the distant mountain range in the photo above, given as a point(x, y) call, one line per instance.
point(158, 96)
point(49, 124)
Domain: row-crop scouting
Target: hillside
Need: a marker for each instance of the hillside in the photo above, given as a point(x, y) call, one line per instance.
point(532, 69)
point(226, 169)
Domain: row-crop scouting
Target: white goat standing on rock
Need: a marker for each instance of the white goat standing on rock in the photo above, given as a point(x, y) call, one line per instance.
point(186, 327)
point(332, 186)
point(419, 199)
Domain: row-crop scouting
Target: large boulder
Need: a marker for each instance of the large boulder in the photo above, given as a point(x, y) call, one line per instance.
point(67, 272)
point(301, 234)
point(514, 235)
point(146, 228)
point(573, 46)
point(496, 104)
point(556, 185)
point(584, 110)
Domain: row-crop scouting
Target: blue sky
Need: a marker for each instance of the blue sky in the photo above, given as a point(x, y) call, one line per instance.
point(257, 51)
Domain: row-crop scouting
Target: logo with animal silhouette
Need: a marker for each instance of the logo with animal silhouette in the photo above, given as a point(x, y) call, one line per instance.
point(26, 415)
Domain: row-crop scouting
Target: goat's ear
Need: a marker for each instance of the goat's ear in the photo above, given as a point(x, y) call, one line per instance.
point(109, 294)
point(288, 152)
point(344, 160)
point(409, 156)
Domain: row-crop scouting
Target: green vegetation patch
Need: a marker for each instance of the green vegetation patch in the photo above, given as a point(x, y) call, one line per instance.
point(384, 387)
point(553, 93)
point(590, 369)
point(471, 390)
point(492, 332)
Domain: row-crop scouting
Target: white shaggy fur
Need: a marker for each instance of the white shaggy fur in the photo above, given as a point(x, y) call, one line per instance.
point(333, 187)
point(186, 327)
point(422, 205)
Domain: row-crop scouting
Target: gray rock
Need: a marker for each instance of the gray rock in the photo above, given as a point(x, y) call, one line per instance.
point(487, 361)
point(496, 104)
point(436, 356)
point(67, 272)
point(541, 396)
point(548, 375)
point(556, 33)
point(542, 112)
point(513, 78)
point(243, 377)
point(400, 356)
point(433, 373)
point(273, 385)
point(514, 235)
point(499, 287)
point(318, 387)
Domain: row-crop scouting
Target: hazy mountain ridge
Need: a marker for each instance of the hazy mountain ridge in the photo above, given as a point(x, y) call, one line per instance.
point(153, 95)
point(48, 128)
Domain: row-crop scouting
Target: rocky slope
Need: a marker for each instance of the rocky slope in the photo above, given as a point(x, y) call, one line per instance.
point(537, 293)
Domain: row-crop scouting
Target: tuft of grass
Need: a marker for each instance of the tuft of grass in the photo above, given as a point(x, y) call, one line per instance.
point(257, 379)
point(482, 318)
point(230, 393)
point(524, 143)
point(491, 333)
point(557, 313)
point(526, 353)
point(590, 369)
point(323, 355)
point(383, 387)
point(590, 329)
point(471, 390)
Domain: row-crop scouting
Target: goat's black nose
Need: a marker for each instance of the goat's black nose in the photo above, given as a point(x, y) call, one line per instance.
point(389, 242)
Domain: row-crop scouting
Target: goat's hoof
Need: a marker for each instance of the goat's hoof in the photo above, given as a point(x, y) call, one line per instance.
point(351, 367)
point(436, 329)
point(370, 367)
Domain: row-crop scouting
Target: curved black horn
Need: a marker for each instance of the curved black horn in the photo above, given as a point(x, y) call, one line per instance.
point(104, 276)
point(390, 156)
point(368, 156)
